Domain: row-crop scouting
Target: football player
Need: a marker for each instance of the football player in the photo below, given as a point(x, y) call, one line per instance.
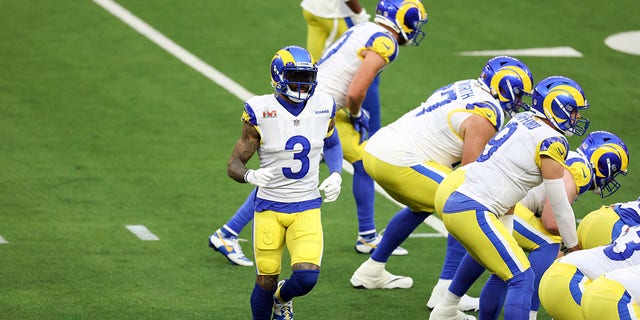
point(410, 157)
point(289, 130)
point(346, 71)
point(563, 285)
point(476, 201)
point(535, 228)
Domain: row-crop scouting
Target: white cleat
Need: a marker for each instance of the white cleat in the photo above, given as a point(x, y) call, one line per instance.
point(372, 275)
point(230, 248)
point(449, 313)
point(466, 304)
point(364, 246)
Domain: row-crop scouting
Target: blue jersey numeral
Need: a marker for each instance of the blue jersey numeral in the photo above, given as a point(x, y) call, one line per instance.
point(301, 156)
point(497, 141)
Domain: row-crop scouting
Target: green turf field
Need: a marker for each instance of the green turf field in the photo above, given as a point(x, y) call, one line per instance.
point(100, 128)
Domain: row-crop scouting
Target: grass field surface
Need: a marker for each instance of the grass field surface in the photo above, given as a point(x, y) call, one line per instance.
point(101, 128)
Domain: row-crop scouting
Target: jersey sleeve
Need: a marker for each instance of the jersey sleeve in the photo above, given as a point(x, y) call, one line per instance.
point(249, 116)
point(382, 44)
point(554, 147)
point(489, 111)
point(581, 173)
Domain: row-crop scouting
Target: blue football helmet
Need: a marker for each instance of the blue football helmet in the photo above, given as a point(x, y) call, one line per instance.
point(560, 99)
point(509, 81)
point(608, 156)
point(406, 17)
point(293, 73)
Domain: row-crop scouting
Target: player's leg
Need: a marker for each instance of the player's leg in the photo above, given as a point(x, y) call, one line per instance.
point(268, 252)
point(492, 245)
point(561, 289)
point(412, 186)
point(453, 262)
point(225, 239)
point(605, 298)
point(305, 244)
point(542, 245)
point(317, 33)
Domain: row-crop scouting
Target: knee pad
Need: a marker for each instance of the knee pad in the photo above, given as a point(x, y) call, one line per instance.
point(304, 280)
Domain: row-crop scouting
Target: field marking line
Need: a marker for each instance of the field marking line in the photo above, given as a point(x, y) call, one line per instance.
point(3, 240)
point(142, 232)
point(558, 52)
point(216, 76)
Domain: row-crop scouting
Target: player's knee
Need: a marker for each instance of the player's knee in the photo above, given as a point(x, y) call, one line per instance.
point(268, 266)
point(523, 280)
point(304, 280)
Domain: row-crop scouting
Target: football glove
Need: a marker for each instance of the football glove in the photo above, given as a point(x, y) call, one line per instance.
point(361, 123)
point(361, 17)
point(331, 187)
point(260, 177)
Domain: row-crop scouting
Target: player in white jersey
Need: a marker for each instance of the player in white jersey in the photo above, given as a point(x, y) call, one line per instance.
point(329, 19)
point(346, 72)
point(534, 226)
point(289, 130)
point(410, 156)
point(562, 286)
point(529, 150)
point(614, 295)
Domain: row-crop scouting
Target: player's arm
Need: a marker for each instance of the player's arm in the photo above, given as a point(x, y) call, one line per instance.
point(372, 63)
point(246, 146)
point(333, 157)
point(547, 218)
point(552, 174)
point(332, 149)
point(475, 132)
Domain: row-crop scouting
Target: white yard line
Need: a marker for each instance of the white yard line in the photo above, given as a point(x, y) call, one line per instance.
point(3, 240)
point(214, 75)
point(142, 232)
point(562, 52)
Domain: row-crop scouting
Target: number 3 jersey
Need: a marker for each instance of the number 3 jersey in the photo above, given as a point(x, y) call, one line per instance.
point(430, 131)
point(509, 165)
point(293, 144)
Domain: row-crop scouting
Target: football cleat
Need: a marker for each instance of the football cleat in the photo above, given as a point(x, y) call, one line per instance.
point(282, 310)
point(371, 276)
point(364, 246)
point(230, 248)
point(449, 313)
point(466, 303)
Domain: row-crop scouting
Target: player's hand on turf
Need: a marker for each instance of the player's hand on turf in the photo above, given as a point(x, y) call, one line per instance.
point(331, 187)
point(361, 123)
point(260, 177)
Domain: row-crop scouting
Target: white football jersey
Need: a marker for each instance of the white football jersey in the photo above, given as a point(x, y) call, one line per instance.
point(579, 168)
point(623, 252)
point(291, 143)
point(509, 166)
point(343, 58)
point(430, 131)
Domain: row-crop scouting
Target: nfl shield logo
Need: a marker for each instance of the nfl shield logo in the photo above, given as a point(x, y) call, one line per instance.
point(296, 122)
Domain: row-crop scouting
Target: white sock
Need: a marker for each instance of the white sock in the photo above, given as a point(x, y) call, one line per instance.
point(443, 283)
point(533, 315)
